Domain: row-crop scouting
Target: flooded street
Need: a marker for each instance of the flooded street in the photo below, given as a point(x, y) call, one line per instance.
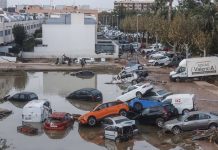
point(55, 86)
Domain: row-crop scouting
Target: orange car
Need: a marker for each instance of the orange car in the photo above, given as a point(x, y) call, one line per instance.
point(104, 110)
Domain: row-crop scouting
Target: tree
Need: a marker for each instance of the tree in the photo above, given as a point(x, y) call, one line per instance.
point(19, 34)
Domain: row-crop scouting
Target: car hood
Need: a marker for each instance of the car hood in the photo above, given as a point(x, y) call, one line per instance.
point(170, 122)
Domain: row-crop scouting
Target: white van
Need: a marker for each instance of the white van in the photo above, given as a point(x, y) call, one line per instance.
point(36, 111)
point(184, 103)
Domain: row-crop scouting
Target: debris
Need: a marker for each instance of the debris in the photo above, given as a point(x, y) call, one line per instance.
point(27, 130)
point(2, 144)
point(211, 135)
point(76, 116)
point(4, 113)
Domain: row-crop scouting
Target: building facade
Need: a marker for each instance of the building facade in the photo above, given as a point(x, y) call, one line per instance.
point(135, 5)
point(6, 35)
point(73, 35)
point(3, 4)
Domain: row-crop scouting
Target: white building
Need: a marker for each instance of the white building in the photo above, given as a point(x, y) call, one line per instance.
point(74, 35)
point(3, 4)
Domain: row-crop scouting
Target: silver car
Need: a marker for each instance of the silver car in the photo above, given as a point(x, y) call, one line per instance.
point(192, 121)
point(157, 94)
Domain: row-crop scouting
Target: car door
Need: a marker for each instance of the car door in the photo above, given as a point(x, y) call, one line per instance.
point(83, 95)
point(191, 122)
point(131, 93)
point(110, 132)
point(15, 97)
point(204, 120)
point(101, 111)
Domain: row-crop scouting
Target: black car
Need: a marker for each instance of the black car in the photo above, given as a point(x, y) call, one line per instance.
point(22, 97)
point(141, 73)
point(86, 94)
point(156, 115)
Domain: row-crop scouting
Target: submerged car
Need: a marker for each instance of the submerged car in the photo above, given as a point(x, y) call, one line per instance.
point(86, 94)
point(58, 121)
point(22, 97)
point(131, 68)
point(137, 90)
point(196, 120)
point(104, 110)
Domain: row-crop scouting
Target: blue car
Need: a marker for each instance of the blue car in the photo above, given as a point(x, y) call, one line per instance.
point(138, 104)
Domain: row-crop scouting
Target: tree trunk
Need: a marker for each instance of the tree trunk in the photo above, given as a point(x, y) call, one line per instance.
point(174, 47)
point(186, 50)
point(170, 10)
point(205, 54)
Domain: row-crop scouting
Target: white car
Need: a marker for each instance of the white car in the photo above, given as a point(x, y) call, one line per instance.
point(121, 128)
point(159, 61)
point(118, 121)
point(133, 91)
point(125, 78)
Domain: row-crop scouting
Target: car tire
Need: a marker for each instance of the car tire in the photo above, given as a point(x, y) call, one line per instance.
point(92, 121)
point(176, 130)
point(213, 126)
point(177, 79)
point(160, 122)
point(117, 140)
point(156, 64)
point(123, 112)
point(185, 111)
point(138, 94)
point(138, 107)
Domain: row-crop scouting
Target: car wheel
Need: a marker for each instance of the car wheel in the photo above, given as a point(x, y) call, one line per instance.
point(160, 122)
point(138, 106)
point(92, 121)
point(176, 130)
point(140, 68)
point(117, 140)
point(213, 126)
point(138, 94)
point(123, 113)
point(175, 112)
point(177, 79)
point(156, 64)
point(185, 111)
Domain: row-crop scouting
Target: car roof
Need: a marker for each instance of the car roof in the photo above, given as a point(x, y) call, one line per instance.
point(58, 115)
point(87, 89)
point(26, 93)
point(180, 95)
point(35, 103)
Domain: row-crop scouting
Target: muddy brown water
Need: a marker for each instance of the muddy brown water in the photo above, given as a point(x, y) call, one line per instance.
point(54, 86)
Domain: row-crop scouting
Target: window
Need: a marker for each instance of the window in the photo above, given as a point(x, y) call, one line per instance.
point(111, 104)
point(111, 128)
point(193, 117)
point(151, 94)
point(16, 96)
point(1, 33)
point(181, 69)
point(84, 93)
point(204, 116)
point(101, 107)
point(22, 96)
point(131, 88)
point(33, 96)
point(108, 121)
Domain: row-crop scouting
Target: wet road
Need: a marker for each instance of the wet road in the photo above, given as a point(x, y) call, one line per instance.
point(54, 86)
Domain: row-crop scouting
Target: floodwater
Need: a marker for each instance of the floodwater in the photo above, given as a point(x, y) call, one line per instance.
point(54, 86)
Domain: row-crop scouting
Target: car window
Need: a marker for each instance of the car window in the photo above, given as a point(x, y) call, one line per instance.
point(16, 96)
point(181, 69)
point(47, 104)
point(204, 116)
point(151, 94)
point(193, 117)
point(102, 106)
point(33, 96)
point(167, 101)
point(154, 109)
point(112, 104)
point(108, 121)
point(161, 92)
point(22, 96)
point(83, 93)
point(111, 128)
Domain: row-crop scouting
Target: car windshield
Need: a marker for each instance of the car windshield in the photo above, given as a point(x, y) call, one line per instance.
point(121, 120)
point(161, 92)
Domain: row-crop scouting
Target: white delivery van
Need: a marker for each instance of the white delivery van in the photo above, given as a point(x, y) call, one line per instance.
point(195, 68)
point(184, 103)
point(36, 111)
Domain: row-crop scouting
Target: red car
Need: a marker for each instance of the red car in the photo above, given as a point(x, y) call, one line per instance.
point(58, 121)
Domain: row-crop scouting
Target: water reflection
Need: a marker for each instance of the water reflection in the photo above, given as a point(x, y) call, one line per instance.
point(18, 104)
point(84, 105)
point(57, 134)
point(36, 125)
point(20, 81)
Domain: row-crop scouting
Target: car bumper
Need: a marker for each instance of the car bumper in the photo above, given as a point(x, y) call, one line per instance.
point(82, 121)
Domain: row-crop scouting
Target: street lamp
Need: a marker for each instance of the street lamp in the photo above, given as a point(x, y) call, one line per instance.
point(117, 22)
point(112, 21)
point(137, 40)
